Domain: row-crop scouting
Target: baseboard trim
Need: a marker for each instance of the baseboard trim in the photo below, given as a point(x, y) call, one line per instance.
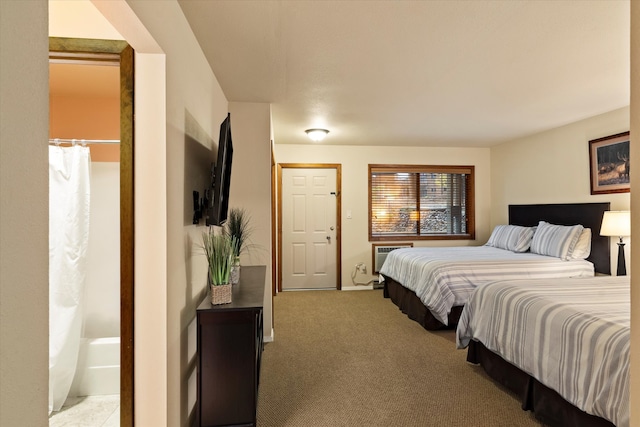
point(269, 338)
point(358, 288)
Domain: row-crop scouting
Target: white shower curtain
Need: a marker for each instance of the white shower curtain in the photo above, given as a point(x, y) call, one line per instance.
point(69, 190)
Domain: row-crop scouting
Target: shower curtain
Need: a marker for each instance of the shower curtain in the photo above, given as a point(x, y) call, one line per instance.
point(69, 190)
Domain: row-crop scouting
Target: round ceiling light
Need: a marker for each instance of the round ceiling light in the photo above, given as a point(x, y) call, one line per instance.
point(316, 134)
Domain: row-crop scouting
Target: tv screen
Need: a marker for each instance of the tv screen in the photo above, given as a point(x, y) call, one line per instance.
point(221, 176)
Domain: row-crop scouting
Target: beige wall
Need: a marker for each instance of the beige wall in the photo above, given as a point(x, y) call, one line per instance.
point(24, 202)
point(635, 217)
point(553, 167)
point(79, 19)
point(150, 189)
point(251, 131)
point(355, 160)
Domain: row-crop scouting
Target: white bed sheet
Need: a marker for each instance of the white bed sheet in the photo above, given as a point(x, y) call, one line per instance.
point(572, 335)
point(445, 277)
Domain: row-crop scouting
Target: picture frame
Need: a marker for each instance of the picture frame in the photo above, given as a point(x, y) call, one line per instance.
point(609, 164)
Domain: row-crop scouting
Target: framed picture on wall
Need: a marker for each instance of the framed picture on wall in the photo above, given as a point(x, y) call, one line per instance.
point(609, 164)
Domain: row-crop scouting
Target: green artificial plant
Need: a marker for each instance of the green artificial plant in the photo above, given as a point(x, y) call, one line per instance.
point(219, 250)
point(238, 227)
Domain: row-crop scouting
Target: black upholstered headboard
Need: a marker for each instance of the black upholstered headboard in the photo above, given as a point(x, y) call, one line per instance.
point(589, 215)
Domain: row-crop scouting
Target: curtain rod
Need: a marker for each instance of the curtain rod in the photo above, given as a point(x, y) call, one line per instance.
point(83, 141)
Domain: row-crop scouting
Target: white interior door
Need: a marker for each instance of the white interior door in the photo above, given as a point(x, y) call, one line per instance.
point(309, 244)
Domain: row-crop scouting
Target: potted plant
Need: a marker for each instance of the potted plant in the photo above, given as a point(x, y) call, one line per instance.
point(218, 248)
point(238, 228)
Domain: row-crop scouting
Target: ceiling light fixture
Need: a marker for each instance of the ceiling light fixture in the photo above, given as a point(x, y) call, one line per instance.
point(317, 134)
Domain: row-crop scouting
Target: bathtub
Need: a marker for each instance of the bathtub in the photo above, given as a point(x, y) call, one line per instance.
point(98, 370)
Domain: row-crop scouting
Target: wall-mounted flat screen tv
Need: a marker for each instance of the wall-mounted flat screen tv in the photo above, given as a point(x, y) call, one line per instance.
point(221, 176)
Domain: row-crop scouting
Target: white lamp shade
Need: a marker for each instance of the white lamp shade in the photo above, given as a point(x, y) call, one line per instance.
point(317, 134)
point(616, 223)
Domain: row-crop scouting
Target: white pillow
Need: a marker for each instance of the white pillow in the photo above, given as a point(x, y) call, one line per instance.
point(555, 240)
point(582, 249)
point(511, 237)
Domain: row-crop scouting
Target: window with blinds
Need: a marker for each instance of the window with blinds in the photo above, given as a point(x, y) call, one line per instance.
point(421, 202)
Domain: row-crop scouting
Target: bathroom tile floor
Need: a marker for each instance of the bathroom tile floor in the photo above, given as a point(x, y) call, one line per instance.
point(88, 411)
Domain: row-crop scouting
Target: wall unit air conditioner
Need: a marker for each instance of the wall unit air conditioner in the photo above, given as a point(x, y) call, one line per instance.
point(380, 253)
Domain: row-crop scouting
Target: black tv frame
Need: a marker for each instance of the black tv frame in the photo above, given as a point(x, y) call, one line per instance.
point(221, 176)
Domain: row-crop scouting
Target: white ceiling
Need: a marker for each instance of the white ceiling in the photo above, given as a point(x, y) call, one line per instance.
point(418, 73)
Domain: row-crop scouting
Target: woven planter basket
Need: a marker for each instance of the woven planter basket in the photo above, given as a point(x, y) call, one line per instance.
point(220, 294)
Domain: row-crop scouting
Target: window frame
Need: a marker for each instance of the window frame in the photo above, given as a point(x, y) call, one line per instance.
point(398, 168)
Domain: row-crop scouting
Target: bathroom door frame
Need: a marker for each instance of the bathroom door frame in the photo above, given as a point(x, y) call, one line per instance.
point(111, 51)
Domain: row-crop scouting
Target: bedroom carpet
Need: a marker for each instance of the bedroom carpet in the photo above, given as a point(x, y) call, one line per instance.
point(353, 359)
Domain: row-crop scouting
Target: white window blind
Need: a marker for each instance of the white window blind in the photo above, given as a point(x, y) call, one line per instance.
point(420, 202)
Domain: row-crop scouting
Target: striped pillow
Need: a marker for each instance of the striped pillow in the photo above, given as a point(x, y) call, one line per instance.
point(511, 237)
point(555, 240)
point(583, 247)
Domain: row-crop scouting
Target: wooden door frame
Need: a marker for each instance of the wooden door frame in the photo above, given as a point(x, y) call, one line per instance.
point(338, 168)
point(274, 214)
point(92, 50)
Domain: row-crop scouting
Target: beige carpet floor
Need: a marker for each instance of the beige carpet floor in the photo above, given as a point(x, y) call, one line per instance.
point(353, 359)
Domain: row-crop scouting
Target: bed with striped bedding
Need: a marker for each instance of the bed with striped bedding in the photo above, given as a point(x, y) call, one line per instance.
point(445, 277)
point(571, 335)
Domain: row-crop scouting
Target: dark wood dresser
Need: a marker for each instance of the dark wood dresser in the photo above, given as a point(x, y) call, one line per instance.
point(230, 342)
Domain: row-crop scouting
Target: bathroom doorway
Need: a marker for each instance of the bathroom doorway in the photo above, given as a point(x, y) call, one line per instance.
point(99, 54)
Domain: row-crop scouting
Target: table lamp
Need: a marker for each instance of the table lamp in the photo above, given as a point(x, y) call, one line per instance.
point(617, 223)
